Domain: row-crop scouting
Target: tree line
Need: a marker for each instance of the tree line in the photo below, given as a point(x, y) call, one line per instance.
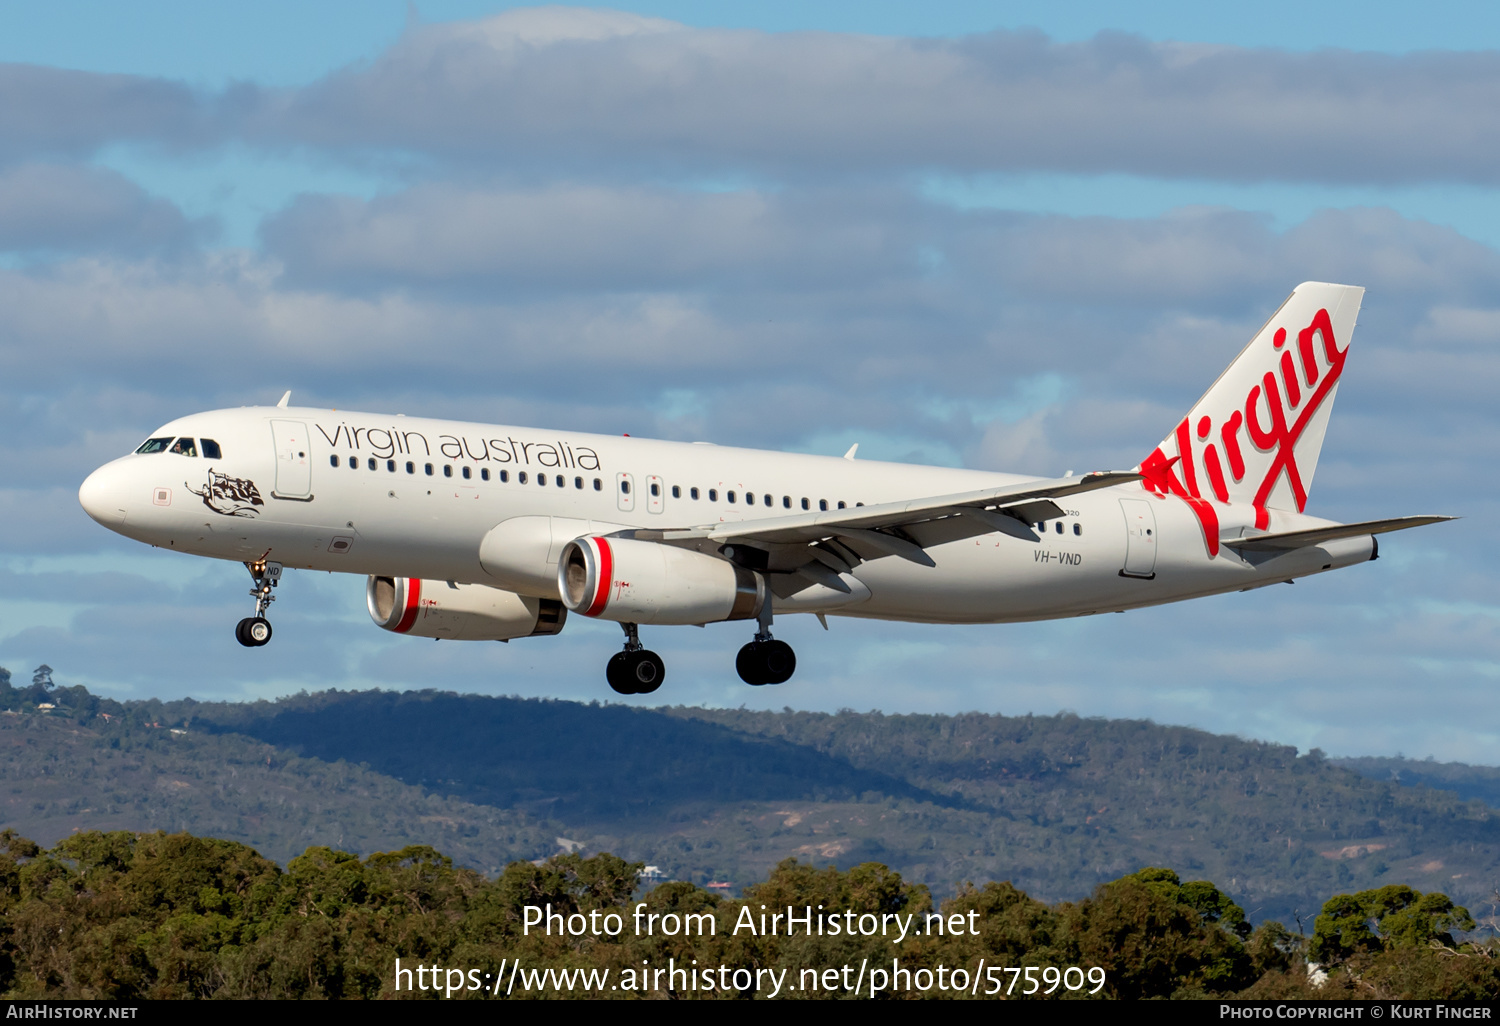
point(125, 916)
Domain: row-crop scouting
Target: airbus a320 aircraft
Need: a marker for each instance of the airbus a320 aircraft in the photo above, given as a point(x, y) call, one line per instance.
point(475, 531)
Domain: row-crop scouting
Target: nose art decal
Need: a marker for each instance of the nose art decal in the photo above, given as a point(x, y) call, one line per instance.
point(229, 496)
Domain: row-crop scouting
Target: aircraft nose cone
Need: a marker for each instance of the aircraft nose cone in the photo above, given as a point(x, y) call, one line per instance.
point(102, 496)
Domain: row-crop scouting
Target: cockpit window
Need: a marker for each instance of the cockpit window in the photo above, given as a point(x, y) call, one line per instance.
point(211, 450)
point(154, 445)
point(185, 447)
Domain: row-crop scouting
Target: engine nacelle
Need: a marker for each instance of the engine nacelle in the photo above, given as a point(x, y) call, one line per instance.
point(462, 612)
point(633, 581)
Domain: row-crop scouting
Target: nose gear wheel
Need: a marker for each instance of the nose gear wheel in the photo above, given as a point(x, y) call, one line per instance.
point(255, 631)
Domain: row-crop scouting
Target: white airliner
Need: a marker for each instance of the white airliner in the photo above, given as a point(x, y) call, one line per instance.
point(477, 531)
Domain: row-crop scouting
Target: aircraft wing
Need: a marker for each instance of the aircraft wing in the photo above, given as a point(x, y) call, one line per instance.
point(1298, 539)
point(900, 528)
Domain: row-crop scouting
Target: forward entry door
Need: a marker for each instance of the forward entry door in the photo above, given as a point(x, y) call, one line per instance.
point(293, 460)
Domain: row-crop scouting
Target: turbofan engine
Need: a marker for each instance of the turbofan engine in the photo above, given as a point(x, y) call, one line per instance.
point(462, 612)
point(634, 581)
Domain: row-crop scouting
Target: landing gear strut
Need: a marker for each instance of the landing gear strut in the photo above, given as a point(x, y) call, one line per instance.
point(766, 660)
point(255, 631)
point(635, 671)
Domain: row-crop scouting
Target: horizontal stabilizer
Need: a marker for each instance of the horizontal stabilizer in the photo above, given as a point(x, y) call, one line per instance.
point(1316, 536)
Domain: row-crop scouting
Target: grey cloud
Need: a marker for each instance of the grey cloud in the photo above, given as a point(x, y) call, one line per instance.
point(583, 237)
point(52, 111)
point(59, 207)
point(577, 88)
point(599, 92)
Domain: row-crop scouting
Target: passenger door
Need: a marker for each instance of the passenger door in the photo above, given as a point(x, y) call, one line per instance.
point(293, 460)
point(1140, 539)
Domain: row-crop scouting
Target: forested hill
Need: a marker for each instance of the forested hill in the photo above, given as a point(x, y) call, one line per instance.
point(1475, 783)
point(1056, 804)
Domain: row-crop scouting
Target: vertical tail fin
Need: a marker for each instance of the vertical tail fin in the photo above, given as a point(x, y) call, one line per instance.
point(1255, 436)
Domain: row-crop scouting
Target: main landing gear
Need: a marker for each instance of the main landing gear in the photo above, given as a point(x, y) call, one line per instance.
point(766, 660)
point(635, 671)
point(255, 631)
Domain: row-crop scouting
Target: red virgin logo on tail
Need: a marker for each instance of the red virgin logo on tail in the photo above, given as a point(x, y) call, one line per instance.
point(1275, 414)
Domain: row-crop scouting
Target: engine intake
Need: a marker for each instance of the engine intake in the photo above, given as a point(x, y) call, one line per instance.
point(462, 612)
point(632, 581)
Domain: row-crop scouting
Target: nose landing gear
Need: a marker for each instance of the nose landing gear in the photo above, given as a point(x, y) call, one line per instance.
point(766, 660)
point(635, 671)
point(255, 631)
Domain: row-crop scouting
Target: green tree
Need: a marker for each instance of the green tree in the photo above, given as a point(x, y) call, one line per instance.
point(1389, 917)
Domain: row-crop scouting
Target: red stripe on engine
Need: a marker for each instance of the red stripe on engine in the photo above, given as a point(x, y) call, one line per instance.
point(413, 598)
point(605, 572)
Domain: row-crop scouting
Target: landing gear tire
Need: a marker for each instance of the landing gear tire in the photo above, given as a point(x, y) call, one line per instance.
point(766, 662)
point(635, 673)
point(253, 631)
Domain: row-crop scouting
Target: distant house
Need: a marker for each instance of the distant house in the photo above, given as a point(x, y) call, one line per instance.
point(45, 707)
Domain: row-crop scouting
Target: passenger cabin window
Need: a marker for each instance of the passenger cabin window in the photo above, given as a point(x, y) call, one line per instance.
point(729, 496)
point(151, 445)
point(841, 504)
point(468, 473)
point(372, 463)
point(578, 483)
point(598, 485)
point(1059, 527)
point(561, 482)
point(211, 450)
point(749, 499)
point(676, 491)
point(333, 461)
point(521, 477)
point(390, 465)
point(713, 495)
point(1077, 529)
point(624, 487)
point(484, 473)
point(806, 504)
point(504, 476)
point(185, 447)
point(353, 462)
point(786, 501)
point(693, 492)
point(767, 498)
point(427, 467)
point(411, 468)
point(823, 504)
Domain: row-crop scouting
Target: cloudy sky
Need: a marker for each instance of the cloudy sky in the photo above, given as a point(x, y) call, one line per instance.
point(1021, 237)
